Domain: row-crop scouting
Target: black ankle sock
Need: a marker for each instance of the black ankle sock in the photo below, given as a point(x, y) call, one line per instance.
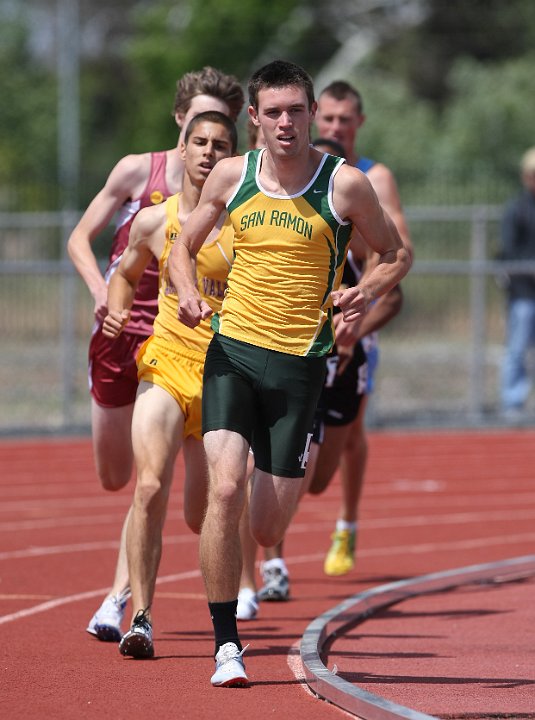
point(224, 620)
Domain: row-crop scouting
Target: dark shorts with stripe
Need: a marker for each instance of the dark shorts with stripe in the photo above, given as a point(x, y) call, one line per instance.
point(266, 396)
point(342, 393)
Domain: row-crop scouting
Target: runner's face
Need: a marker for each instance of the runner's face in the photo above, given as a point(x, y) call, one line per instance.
point(338, 120)
point(208, 143)
point(284, 118)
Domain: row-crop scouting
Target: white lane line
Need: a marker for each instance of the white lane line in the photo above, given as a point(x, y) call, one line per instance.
point(296, 666)
point(44, 504)
point(66, 600)
point(56, 522)
point(292, 560)
point(84, 547)
point(424, 548)
point(454, 518)
point(39, 551)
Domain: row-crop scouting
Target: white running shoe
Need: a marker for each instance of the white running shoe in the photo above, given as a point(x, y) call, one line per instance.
point(276, 584)
point(137, 642)
point(247, 605)
point(106, 622)
point(229, 667)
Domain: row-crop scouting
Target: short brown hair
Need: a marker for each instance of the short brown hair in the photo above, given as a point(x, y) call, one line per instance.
point(340, 90)
point(278, 74)
point(209, 81)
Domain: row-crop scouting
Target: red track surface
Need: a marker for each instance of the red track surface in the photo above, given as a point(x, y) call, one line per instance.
point(432, 502)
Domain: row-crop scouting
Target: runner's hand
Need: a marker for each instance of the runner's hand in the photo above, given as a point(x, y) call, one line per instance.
point(352, 302)
point(114, 323)
point(346, 333)
point(191, 310)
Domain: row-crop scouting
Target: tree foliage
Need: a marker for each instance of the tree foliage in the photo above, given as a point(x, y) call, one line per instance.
point(447, 84)
point(27, 137)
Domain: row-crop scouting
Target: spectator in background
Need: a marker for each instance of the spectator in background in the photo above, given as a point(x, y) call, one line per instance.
point(518, 243)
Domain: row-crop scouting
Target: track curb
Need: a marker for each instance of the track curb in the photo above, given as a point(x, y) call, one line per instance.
point(329, 686)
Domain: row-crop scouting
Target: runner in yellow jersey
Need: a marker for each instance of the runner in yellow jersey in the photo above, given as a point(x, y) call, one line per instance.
point(167, 412)
point(292, 209)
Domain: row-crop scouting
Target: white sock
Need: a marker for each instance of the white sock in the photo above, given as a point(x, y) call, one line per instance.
point(276, 564)
point(344, 525)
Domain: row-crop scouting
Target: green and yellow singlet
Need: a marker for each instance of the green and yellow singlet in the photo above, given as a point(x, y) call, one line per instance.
point(213, 264)
point(288, 257)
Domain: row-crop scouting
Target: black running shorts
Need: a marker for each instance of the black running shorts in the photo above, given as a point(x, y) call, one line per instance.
point(342, 393)
point(266, 396)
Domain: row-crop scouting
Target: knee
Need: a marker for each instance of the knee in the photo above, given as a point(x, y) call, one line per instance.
point(227, 497)
point(149, 492)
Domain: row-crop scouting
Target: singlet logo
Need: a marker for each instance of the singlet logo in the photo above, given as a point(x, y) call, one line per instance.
point(156, 197)
point(296, 223)
point(214, 288)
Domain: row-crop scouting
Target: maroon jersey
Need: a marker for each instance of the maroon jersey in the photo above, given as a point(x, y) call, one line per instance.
point(145, 304)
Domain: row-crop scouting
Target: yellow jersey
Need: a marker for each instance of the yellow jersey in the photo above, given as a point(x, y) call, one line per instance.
point(213, 264)
point(289, 253)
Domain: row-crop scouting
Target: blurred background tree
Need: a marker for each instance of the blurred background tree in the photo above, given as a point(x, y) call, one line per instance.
point(448, 85)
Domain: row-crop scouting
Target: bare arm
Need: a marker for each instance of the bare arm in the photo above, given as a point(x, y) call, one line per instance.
point(381, 312)
point(124, 181)
point(385, 186)
point(145, 241)
point(356, 200)
point(378, 314)
point(215, 193)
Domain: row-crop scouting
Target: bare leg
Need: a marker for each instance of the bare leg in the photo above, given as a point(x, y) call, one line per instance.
point(280, 496)
point(247, 608)
point(329, 454)
point(112, 444)
point(275, 551)
point(273, 503)
point(220, 548)
point(157, 430)
point(106, 622)
point(275, 577)
point(353, 466)
point(270, 553)
point(121, 583)
point(196, 484)
point(340, 558)
point(249, 547)
point(112, 449)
